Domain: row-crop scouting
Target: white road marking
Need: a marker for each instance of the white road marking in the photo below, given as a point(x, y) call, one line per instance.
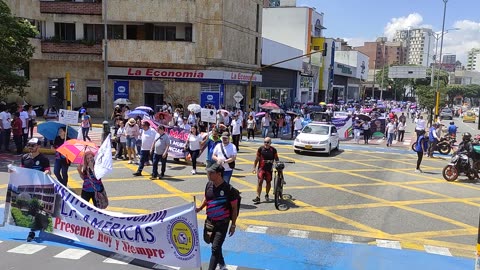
point(231, 267)
point(2, 205)
point(72, 254)
point(27, 249)
point(298, 234)
point(388, 244)
point(438, 250)
point(118, 259)
point(159, 266)
point(342, 238)
point(256, 229)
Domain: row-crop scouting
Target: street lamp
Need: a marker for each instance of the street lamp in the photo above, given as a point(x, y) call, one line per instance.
point(437, 36)
point(437, 93)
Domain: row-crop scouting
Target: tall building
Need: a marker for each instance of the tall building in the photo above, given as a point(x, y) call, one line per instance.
point(297, 27)
point(383, 53)
point(180, 52)
point(449, 59)
point(420, 44)
point(473, 59)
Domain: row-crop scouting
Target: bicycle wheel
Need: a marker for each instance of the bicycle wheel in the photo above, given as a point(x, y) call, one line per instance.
point(278, 184)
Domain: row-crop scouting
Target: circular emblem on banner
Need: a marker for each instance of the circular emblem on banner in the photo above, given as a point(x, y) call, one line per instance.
point(121, 89)
point(37, 162)
point(221, 193)
point(183, 238)
point(209, 97)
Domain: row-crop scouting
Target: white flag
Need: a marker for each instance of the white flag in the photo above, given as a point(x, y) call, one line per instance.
point(103, 159)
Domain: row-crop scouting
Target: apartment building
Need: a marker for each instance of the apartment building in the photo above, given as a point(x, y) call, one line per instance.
point(174, 51)
point(383, 53)
point(420, 44)
point(449, 59)
point(473, 60)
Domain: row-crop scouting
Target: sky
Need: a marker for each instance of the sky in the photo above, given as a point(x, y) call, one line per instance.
point(358, 21)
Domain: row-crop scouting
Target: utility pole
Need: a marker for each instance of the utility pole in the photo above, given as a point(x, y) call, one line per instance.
point(105, 62)
point(437, 93)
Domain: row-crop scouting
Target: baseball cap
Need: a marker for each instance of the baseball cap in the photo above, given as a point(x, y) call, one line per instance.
point(215, 167)
point(34, 141)
point(226, 134)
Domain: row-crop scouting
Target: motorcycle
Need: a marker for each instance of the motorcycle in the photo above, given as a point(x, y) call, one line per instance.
point(444, 146)
point(458, 164)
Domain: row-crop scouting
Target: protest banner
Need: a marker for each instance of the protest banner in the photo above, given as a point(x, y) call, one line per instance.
point(103, 159)
point(166, 237)
point(178, 139)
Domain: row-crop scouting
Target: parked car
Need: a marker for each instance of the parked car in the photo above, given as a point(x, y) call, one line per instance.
point(446, 113)
point(318, 138)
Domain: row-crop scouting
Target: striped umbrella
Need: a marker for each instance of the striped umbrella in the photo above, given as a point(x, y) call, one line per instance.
point(74, 150)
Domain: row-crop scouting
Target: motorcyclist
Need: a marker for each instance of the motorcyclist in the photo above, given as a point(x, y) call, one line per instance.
point(452, 130)
point(467, 147)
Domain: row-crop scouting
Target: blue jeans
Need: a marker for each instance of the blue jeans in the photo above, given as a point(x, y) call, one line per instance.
point(163, 161)
point(264, 131)
point(85, 133)
point(227, 175)
point(144, 155)
point(60, 169)
point(390, 138)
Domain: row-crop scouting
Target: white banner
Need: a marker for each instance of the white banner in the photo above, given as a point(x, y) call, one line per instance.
point(166, 237)
point(103, 159)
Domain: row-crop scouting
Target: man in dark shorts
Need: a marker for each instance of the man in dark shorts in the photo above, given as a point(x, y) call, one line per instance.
point(266, 154)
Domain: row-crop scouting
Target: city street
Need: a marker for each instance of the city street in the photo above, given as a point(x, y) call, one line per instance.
point(362, 195)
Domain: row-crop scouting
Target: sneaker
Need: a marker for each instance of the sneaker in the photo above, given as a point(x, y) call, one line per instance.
point(130, 161)
point(194, 172)
point(31, 236)
point(267, 198)
point(222, 267)
point(153, 177)
point(161, 176)
point(137, 174)
point(256, 200)
point(418, 171)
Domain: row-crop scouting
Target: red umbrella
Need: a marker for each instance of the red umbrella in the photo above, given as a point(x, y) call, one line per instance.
point(166, 116)
point(269, 106)
point(152, 124)
point(74, 150)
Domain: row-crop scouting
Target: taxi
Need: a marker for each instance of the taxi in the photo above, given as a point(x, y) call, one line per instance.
point(317, 137)
point(469, 116)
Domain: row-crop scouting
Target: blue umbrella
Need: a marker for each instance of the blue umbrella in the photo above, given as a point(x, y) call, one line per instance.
point(136, 113)
point(50, 130)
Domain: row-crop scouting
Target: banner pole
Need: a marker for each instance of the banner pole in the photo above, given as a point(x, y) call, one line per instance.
point(66, 133)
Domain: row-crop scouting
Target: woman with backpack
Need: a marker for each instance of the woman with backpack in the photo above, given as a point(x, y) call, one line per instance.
point(421, 148)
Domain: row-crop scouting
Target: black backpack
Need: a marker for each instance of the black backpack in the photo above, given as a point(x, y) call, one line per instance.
point(236, 194)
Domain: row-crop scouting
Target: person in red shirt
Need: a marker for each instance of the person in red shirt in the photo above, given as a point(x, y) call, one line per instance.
point(17, 132)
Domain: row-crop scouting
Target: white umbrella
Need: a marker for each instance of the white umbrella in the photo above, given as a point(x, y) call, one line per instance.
point(195, 108)
point(144, 108)
point(123, 101)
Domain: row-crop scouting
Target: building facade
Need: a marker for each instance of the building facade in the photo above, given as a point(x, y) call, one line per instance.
point(383, 53)
point(350, 74)
point(449, 59)
point(419, 43)
point(180, 52)
point(473, 60)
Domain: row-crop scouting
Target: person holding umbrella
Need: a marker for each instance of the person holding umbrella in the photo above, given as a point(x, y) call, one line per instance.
point(90, 181)
point(60, 168)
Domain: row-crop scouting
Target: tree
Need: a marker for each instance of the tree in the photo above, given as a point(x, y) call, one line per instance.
point(15, 51)
point(397, 86)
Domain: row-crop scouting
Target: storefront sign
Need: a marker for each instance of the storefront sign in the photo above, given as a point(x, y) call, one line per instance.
point(210, 98)
point(121, 89)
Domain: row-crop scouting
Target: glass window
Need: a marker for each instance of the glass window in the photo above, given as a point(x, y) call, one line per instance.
point(93, 32)
point(170, 32)
point(158, 32)
point(114, 31)
point(188, 33)
point(65, 31)
point(314, 129)
point(94, 97)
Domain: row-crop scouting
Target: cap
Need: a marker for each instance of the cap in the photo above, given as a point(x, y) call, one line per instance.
point(83, 111)
point(226, 134)
point(35, 141)
point(215, 167)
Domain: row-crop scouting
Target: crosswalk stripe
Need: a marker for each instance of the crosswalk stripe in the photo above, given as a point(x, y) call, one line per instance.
point(438, 250)
point(388, 244)
point(342, 238)
point(72, 254)
point(256, 229)
point(27, 249)
point(162, 267)
point(118, 259)
point(298, 234)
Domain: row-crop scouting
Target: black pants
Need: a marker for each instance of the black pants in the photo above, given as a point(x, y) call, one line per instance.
point(18, 143)
point(366, 135)
point(419, 159)
point(156, 160)
point(24, 137)
point(401, 134)
point(6, 138)
point(194, 155)
point(87, 195)
point(236, 140)
point(250, 132)
point(219, 233)
point(432, 146)
point(120, 150)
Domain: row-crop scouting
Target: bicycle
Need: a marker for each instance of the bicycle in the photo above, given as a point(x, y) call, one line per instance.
point(279, 181)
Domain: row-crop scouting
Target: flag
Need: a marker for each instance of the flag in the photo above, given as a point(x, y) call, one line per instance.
point(103, 159)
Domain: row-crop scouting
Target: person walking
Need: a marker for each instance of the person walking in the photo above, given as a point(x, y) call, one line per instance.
point(357, 127)
point(25, 118)
point(225, 153)
point(193, 145)
point(212, 142)
point(366, 131)
point(60, 167)
point(131, 133)
point(86, 124)
point(32, 119)
point(433, 139)
point(6, 127)
point(401, 130)
point(421, 149)
point(265, 124)
point(222, 207)
point(251, 126)
point(297, 125)
point(17, 132)
point(236, 126)
point(121, 140)
point(90, 181)
point(390, 130)
point(148, 138)
point(160, 152)
point(266, 155)
point(420, 124)
point(36, 161)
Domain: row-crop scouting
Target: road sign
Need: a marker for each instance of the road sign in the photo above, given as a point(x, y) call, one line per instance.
point(68, 117)
point(238, 96)
point(208, 115)
point(72, 86)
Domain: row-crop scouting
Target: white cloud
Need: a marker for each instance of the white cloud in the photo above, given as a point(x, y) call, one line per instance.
point(460, 41)
point(357, 41)
point(412, 20)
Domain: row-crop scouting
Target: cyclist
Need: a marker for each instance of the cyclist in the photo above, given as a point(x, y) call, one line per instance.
point(266, 154)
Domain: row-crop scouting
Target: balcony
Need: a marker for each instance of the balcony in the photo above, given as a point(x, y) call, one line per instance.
point(70, 47)
point(179, 11)
point(151, 51)
point(65, 7)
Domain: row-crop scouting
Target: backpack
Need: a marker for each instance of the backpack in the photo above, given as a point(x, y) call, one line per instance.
point(236, 194)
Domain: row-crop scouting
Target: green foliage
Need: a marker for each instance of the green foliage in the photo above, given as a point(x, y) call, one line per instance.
point(20, 219)
point(15, 51)
point(21, 203)
point(397, 86)
point(34, 207)
point(469, 91)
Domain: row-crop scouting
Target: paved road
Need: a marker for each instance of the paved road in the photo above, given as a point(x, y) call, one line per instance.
point(358, 207)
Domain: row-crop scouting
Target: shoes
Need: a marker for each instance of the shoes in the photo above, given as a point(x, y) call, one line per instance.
point(194, 172)
point(161, 176)
point(418, 171)
point(137, 174)
point(256, 200)
point(153, 177)
point(130, 161)
point(114, 158)
point(222, 267)
point(267, 198)
point(31, 236)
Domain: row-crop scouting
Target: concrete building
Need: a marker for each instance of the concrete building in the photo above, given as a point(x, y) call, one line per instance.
point(297, 27)
point(473, 60)
point(174, 51)
point(465, 77)
point(383, 53)
point(351, 71)
point(449, 59)
point(420, 45)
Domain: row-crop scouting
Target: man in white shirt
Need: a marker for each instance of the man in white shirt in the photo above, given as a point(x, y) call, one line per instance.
point(24, 117)
point(225, 153)
point(148, 138)
point(236, 130)
point(297, 125)
point(6, 128)
point(420, 124)
point(265, 125)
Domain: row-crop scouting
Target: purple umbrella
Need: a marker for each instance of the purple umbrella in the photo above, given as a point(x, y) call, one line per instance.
point(260, 114)
point(396, 110)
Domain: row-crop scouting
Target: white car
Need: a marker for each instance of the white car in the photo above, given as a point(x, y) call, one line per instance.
point(317, 137)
